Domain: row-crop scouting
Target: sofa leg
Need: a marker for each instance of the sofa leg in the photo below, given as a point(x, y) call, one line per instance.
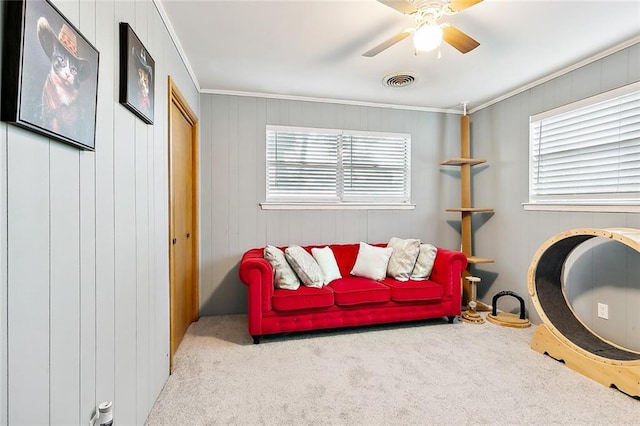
point(256, 340)
point(451, 318)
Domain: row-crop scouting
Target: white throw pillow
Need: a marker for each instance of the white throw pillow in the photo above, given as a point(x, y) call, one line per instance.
point(372, 262)
point(403, 258)
point(283, 275)
point(424, 264)
point(305, 266)
point(327, 261)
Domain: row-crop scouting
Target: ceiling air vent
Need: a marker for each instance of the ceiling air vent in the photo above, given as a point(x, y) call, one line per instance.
point(398, 80)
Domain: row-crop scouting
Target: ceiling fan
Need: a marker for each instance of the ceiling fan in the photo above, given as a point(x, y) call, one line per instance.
point(428, 33)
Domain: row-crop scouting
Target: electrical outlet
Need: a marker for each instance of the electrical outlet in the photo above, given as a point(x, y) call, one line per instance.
point(603, 311)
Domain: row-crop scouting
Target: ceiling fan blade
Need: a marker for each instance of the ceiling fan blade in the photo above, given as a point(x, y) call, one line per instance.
point(458, 39)
point(402, 6)
point(458, 5)
point(387, 44)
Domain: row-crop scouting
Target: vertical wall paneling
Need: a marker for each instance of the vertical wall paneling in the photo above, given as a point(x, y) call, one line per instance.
point(64, 346)
point(500, 134)
point(615, 70)
point(125, 249)
point(152, 352)
point(605, 271)
point(28, 278)
point(142, 272)
point(125, 264)
point(234, 127)
point(87, 285)
point(247, 154)
point(261, 167)
point(3, 267)
point(64, 259)
point(83, 245)
point(158, 314)
point(3, 259)
point(633, 70)
point(142, 132)
point(160, 242)
point(206, 187)
point(87, 250)
point(586, 80)
point(234, 170)
point(106, 43)
point(216, 133)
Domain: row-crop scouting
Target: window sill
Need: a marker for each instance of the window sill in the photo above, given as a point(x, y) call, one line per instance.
point(335, 206)
point(593, 208)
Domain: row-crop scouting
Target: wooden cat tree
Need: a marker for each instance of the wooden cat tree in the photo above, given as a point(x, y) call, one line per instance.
point(465, 162)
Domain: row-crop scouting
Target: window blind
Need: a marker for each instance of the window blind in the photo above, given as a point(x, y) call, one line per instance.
point(324, 165)
point(587, 152)
point(376, 166)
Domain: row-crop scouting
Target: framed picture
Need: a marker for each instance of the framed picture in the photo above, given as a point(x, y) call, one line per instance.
point(137, 69)
point(49, 74)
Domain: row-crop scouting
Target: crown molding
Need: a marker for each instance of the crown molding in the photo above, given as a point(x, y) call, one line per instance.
point(561, 72)
point(328, 101)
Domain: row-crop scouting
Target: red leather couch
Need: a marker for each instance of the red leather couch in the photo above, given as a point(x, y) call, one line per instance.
point(349, 301)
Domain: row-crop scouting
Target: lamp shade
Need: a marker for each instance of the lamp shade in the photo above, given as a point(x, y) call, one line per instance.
point(427, 38)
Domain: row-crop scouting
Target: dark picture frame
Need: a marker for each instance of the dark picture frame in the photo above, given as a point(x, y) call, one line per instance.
point(137, 75)
point(49, 74)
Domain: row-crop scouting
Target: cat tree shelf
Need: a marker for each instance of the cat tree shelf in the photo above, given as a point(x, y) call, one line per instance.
point(470, 210)
point(465, 162)
point(458, 161)
point(476, 259)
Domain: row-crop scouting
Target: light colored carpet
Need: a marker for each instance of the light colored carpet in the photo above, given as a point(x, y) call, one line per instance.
point(426, 373)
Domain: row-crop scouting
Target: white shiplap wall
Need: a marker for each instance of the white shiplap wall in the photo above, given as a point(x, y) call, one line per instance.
point(232, 184)
point(84, 245)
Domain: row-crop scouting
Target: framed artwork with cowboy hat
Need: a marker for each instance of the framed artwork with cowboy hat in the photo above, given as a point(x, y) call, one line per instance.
point(137, 73)
point(49, 74)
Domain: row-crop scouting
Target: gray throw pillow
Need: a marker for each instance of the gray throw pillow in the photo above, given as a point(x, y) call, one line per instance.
point(403, 258)
point(283, 275)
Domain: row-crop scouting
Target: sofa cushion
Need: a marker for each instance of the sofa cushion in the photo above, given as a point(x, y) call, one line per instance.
point(403, 258)
point(424, 264)
point(283, 275)
point(372, 262)
point(302, 298)
point(410, 291)
point(327, 261)
point(305, 266)
point(358, 290)
point(345, 255)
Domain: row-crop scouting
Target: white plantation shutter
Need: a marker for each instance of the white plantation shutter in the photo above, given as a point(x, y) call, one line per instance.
point(321, 165)
point(588, 151)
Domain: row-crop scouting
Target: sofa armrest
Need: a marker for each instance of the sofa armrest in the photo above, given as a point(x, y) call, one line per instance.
point(447, 271)
point(257, 274)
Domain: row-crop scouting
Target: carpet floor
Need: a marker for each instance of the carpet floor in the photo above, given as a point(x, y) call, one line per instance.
point(420, 373)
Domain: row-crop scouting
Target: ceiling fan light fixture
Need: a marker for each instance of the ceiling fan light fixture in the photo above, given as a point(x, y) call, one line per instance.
point(427, 38)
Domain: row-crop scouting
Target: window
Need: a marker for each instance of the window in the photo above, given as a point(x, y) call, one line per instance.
point(587, 152)
point(337, 167)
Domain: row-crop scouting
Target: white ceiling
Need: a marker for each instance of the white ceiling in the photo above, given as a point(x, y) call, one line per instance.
point(313, 48)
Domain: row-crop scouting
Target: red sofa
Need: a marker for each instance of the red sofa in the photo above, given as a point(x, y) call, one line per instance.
point(349, 301)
